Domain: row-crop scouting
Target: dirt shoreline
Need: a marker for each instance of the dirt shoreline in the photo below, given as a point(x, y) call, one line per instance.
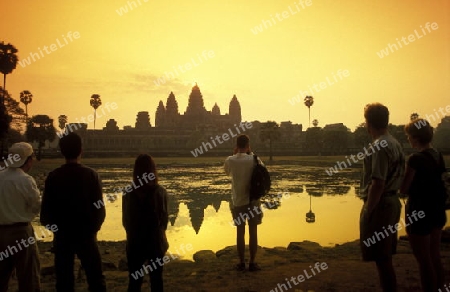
point(214, 271)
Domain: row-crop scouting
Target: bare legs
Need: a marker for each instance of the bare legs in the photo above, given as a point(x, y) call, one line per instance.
point(426, 249)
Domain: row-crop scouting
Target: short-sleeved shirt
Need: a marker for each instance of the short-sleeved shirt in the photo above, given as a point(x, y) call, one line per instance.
point(240, 167)
point(385, 162)
point(19, 197)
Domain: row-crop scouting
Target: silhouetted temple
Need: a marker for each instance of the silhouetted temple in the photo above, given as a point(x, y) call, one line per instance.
point(196, 113)
point(176, 133)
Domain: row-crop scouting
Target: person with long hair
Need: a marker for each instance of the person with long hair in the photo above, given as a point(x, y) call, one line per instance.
point(145, 218)
point(426, 197)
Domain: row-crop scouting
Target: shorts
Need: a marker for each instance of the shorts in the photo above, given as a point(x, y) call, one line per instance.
point(251, 212)
point(378, 235)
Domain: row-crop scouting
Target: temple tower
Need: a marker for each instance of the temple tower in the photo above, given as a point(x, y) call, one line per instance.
point(143, 121)
point(215, 110)
point(235, 110)
point(111, 126)
point(172, 114)
point(160, 115)
point(195, 105)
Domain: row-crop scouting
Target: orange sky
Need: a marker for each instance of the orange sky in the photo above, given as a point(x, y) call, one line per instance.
point(299, 44)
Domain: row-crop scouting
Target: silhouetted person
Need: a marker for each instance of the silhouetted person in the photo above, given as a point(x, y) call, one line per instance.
point(19, 204)
point(145, 218)
point(240, 167)
point(383, 170)
point(71, 194)
point(426, 194)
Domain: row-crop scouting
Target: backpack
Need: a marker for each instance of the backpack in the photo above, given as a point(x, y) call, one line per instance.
point(260, 180)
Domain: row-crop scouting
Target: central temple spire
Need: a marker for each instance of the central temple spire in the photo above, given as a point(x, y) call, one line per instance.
point(195, 116)
point(195, 105)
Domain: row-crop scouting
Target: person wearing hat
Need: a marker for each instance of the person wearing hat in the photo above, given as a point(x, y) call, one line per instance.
point(20, 202)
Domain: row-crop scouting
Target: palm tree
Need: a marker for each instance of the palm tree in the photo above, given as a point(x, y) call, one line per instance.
point(315, 122)
point(309, 101)
point(8, 62)
point(95, 103)
point(414, 116)
point(62, 120)
point(26, 98)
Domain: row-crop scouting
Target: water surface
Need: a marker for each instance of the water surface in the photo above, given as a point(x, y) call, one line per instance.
point(200, 217)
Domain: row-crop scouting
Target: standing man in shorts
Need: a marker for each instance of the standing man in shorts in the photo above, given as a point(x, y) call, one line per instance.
point(383, 171)
point(240, 168)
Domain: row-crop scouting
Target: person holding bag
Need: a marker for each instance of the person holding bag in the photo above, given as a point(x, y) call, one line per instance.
point(240, 167)
point(145, 219)
point(426, 193)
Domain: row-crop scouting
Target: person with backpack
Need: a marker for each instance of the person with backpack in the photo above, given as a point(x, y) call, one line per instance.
point(426, 193)
point(240, 167)
point(145, 218)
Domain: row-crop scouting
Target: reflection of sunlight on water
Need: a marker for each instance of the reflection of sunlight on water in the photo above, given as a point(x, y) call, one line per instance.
point(41, 233)
point(195, 193)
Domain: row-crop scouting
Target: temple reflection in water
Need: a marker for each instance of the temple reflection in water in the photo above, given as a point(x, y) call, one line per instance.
point(197, 203)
